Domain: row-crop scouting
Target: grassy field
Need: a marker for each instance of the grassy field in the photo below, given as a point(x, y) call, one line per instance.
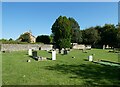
point(63, 71)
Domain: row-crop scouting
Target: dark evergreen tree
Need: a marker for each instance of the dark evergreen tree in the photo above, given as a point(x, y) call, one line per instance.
point(108, 35)
point(75, 31)
point(90, 36)
point(61, 30)
point(43, 39)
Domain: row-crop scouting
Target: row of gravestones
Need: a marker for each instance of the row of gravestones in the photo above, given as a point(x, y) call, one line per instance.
point(33, 53)
point(65, 51)
point(62, 51)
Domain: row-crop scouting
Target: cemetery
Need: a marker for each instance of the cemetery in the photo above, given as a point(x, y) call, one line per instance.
point(60, 43)
point(69, 56)
point(71, 67)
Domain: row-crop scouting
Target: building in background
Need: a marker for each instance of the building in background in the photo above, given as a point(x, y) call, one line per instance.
point(27, 37)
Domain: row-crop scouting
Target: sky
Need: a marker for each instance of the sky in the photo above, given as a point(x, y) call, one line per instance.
point(119, 12)
point(20, 17)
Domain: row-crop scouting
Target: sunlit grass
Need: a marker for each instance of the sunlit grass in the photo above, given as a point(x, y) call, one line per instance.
point(63, 71)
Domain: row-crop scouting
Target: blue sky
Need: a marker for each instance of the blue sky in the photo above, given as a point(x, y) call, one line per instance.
point(119, 11)
point(19, 17)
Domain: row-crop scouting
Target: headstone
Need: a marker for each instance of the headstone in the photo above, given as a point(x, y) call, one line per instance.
point(30, 52)
point(107, 46)
point(103, 47)
point(34, 54)
point(62, 51)
point(90, 58)
point(57, 51)
point(53, 55)
point(65, 51)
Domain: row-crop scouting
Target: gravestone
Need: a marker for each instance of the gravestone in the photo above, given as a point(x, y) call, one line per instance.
point(57, 51)
point(30, 52)
point(34, 54)
point(103, 47)
point(65, 51)
point(62, 51)
point(53, 55)
point(90, 58)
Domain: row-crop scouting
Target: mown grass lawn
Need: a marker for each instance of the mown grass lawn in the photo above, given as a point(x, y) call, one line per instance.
point(63, 71)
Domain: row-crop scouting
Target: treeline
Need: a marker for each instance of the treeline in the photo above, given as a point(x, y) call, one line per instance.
point(67, 30)
point(109, 34)
point(11, 41)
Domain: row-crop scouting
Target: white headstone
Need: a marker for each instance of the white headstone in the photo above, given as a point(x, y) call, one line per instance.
point(53, 55)
point(62, 51)
point(30, 52)
point(90, 58)
point(103, 47)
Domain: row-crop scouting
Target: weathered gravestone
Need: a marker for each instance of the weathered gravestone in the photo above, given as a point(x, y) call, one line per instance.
point(30, 52)
point(57, 51)
point(53, 55)
point(65, 51)
point(90, 58)
point(34, 54)
point(103, 47)
point(62, 51)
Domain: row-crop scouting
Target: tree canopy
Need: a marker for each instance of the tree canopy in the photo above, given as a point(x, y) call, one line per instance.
point(75, 31)
point(43, 38)
point(61, 30)
point(90, 36)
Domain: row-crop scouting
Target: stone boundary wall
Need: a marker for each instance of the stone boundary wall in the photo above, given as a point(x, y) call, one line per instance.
point(20, 47)
point(81, 47)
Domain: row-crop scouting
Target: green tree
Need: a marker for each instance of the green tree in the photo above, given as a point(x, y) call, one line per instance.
point(61, 30)
point(118, 35)
point(108, 35)
point(90, 36)
point(10, 39)
point(43, 38)
point(75, 31)
point(118, 39)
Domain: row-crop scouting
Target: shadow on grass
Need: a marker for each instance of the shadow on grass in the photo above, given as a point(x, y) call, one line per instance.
point(92, 74)
point(48, 58)
point(85, 59)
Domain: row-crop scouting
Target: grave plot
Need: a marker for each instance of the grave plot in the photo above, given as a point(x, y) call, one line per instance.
point(35, 56)
point(64, 70)
point(108, 63)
